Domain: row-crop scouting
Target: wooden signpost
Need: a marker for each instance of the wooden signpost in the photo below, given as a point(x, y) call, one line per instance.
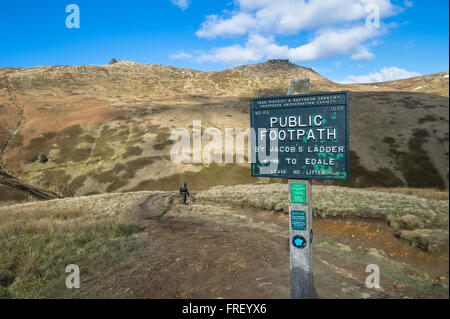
point(300, 224)
point(311, 137)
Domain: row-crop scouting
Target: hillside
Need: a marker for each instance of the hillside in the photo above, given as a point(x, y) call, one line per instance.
point(148, 245)
point(107, 128)
point(13, 190)
point(436, 83)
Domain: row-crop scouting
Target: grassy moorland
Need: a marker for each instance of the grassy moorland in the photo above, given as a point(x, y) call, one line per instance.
point(107, 128)
point(38, 240)
point(418, 216)
point(123, 251)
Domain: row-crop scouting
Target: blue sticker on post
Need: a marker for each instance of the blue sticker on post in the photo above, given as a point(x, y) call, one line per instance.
point(299, 241)
point(310, 236)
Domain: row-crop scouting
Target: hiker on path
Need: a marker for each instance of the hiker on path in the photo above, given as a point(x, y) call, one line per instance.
point(184, 192)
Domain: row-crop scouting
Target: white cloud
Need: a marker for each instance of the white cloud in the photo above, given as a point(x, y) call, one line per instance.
point(214, 25)
point(182, 55)
point(182, 4)
point(336, 42)
point(290, 16)
point(327, 43)
point(362, 53)
point(335, 28)
point(408, 4)
point(256, 48)
point(386, 74)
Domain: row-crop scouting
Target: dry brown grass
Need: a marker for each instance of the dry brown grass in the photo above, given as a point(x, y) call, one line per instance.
point(403, 212)
point(95, 122)
point(38, 240)
point(429, 193)
point(70, 213)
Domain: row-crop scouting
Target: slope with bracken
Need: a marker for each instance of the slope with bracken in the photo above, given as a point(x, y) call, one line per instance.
point(107, 128)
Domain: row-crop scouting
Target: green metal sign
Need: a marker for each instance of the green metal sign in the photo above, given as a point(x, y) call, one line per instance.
point(298, 193)
point(298, 220)
point(304, 136)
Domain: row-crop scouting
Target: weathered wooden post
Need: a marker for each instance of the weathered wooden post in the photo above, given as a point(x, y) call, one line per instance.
point(301, 137)
point(300, 224)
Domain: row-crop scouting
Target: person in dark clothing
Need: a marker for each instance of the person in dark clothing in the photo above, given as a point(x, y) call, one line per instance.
point(184, 192)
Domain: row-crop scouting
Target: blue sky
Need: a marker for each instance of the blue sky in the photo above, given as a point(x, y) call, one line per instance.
point(331, 37)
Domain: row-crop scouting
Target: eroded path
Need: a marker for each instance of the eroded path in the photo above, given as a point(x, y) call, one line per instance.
point(20, 114)
point(211, 251)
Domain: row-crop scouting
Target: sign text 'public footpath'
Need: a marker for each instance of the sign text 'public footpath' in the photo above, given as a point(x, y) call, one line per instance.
point(301, 136)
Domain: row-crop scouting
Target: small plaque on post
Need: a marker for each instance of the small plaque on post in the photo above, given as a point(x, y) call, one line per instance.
point(298, 193)
point(298, 220)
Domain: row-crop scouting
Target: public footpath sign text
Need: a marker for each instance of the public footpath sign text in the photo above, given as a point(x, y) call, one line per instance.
point(303, 136)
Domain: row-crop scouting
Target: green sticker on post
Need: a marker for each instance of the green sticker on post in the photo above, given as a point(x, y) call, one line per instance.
point(298, 193)
point(298, 220)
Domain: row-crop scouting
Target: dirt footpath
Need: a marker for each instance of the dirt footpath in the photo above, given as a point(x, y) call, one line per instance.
point(210, 251)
